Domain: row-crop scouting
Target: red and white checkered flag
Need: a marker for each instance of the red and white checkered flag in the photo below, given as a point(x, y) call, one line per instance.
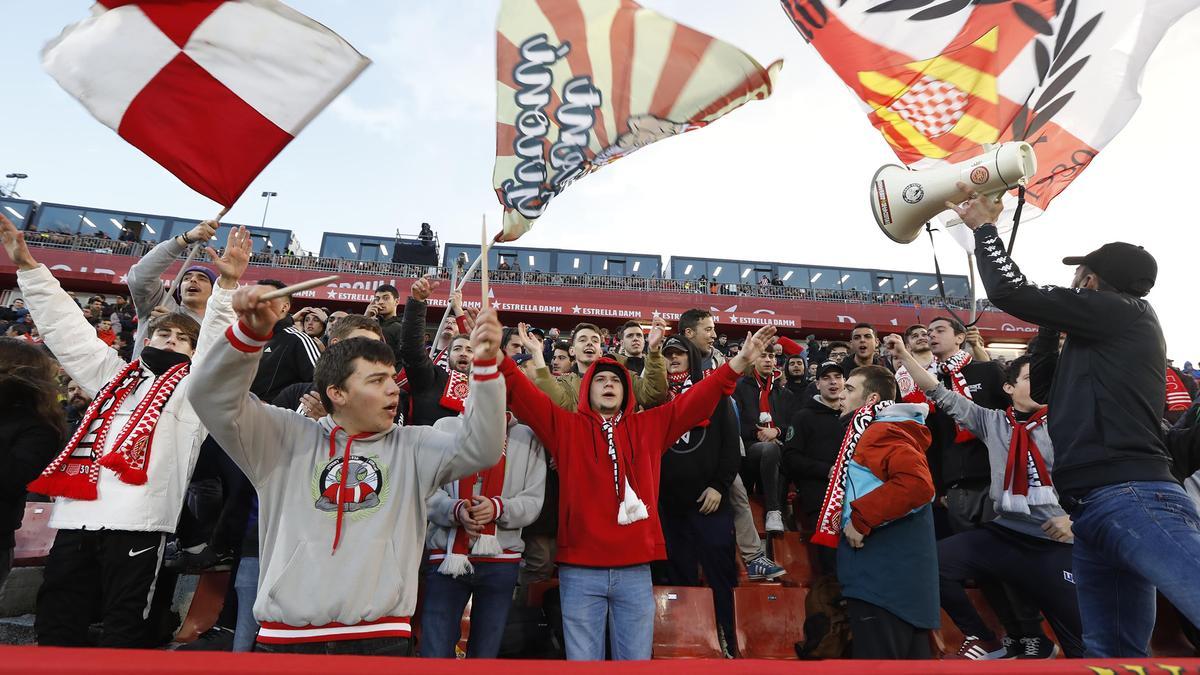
point(212, 90)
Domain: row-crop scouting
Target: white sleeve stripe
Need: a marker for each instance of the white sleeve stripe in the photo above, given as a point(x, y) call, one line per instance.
point(246, 339)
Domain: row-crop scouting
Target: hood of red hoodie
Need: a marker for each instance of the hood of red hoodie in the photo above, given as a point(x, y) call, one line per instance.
point(585, 392)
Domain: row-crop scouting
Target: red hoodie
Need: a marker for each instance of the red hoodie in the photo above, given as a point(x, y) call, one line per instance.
point(588, 533)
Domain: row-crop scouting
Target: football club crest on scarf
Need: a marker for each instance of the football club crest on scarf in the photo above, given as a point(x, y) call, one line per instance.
point(582, 83)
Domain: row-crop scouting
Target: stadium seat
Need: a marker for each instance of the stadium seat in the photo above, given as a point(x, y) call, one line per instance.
point(769, 620)
point(790, 550)
point(35, 537)
point(205, 606)
point(684, 624)
point(537, 591)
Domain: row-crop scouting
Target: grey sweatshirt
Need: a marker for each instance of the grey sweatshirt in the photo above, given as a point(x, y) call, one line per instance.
point(146, 287)
point(520, 500)
point(371, 577)
point(991, 427)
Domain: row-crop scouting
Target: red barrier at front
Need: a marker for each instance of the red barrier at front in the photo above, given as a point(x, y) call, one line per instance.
point(47, 661)
point(98, 271)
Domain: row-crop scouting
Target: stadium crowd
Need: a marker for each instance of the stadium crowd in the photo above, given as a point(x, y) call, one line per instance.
point(343, 466)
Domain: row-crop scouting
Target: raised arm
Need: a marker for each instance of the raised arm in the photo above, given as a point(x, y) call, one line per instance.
point(964, 411)
point(417, 363)
point(145, 277)
point(219, 314)
point(1043, 360)
point(650, 387)
point(533, 407)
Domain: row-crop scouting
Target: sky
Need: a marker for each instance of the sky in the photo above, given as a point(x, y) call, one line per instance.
point(782, 180)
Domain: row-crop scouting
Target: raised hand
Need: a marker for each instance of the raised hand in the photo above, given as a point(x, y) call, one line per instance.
point(895, 346)
point(752, 348)
point(422, 288)
point(203, 233)
point(485, 336)
point(658, 331)
point(14, 244)
point(531, 344)
point(232, 264)
point(312, 405)
point(456, 306)
point(257, 315)
point(975, 209)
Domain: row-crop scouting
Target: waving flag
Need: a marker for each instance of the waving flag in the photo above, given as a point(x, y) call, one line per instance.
point(210, 90)
point(939, 78)
point(582, 83)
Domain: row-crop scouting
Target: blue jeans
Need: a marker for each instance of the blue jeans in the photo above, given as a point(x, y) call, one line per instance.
point(1129, 539)
point(245, 584)
point(490, 590)
point(622, 596)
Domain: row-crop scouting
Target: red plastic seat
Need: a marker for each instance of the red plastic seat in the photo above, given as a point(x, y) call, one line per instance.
point(759, 513)
point(538, 590)
point(790, 550)
point(769, 620)
point(205, 607)
point(35, 537)
point(684, 624)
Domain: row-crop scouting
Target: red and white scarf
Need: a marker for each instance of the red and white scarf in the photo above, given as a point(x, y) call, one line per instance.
point(630, 508)
point(1178, 398)
point(1026, 480)
point(829, 526)
point(75, 473)
point(459, 547)
point(764, 397)
point(677, 384)
point(909, 391)
point(952, 368)
point(454, 396)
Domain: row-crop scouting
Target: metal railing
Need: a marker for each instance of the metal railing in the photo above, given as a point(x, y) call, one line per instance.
point(533, 278)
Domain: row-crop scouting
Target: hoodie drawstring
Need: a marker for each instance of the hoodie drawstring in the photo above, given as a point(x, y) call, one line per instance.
point(341, 496)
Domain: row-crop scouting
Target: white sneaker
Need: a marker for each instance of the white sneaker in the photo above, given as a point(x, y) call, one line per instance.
point(774, 521)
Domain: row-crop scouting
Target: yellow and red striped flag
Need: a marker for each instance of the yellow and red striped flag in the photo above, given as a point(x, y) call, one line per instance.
point(582, 83)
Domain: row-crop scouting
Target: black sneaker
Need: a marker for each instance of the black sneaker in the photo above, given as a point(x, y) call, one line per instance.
point(1012, 648)
point(215, 639)
point(206, 560)
point(1038, 648)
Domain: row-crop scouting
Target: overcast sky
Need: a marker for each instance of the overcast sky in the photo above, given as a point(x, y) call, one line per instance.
point(786, 179)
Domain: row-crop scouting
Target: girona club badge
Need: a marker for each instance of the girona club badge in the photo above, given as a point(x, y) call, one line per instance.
point(363, 488)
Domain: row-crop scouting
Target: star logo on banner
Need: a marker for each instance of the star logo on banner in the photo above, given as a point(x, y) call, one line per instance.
point(655, 314)
point(576, 309)
point(332, 294)
point(733, 318)
point(124, 279)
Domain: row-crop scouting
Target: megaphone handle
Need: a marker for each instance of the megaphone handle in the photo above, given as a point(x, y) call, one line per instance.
point(941, 283)
point(1012, 237)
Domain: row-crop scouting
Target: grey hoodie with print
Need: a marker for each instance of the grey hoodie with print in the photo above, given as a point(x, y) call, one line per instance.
point(991, 426)
point(328, 573)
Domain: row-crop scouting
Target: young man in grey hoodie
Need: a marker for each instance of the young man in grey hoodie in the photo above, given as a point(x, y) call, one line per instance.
point(342, 500)
point(1028, 544)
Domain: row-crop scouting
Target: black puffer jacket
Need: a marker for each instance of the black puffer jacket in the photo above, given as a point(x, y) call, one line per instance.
point(810, 448)
point(27, 445)
point(426, 380)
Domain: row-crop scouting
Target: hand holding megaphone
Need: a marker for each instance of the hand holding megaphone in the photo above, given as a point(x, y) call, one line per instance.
point(903, 200)
point(976, 209)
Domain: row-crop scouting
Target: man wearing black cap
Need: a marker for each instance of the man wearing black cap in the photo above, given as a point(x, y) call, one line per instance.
point(811, 446)
point(1135, 528)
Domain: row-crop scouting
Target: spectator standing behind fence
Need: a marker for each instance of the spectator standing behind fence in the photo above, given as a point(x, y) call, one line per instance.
point(146, 285)
point(384, 308)
point(118, 501)
point(1135, 528)
point(32, 431)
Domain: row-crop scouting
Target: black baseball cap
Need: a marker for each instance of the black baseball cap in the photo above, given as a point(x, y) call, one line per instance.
point(537, 331)
point(1126, 267)
point(829, 367)
point(675, 343)
point(521, 358)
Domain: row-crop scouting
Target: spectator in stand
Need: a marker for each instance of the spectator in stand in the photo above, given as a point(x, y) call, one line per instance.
point(586, 346)
point(384, 308)
point(1113, 471)
point(32, 431)
point(1027, 546)
point(562, 360)
point(361, 537)
point(698, 326)
point(633, 346)
point(289, 357)
point(723, 344)
point(104, 331)
point(796, 377)
point(77, 401)
point(435, 391)
point(146, 285)
point(123, 314)
point(313, 322)
point(765, 408)
point(604, 557)
point(697, 472)
point(887, 556)
point(475, 546)
point(838, 352)
point(916, 341)
point(123, 344)
point(115, 506)
point(811, 447)
point(510, 342)
point(864, 349)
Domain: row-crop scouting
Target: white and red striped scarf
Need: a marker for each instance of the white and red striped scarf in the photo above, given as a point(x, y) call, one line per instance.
point(829, 526)
point(459, 547)
point(1026, 480)
point(764, 397)
point(952, 368)
point(75, 473)
point(1178, 398)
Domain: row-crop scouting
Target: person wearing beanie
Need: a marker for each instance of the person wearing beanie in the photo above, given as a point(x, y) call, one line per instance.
point(146, 283)
point(1135, 527)
point(609, 458)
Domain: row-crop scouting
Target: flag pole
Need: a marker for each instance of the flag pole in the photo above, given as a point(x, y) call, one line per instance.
point(971, 285)
point(195, 248)
point(483, 255)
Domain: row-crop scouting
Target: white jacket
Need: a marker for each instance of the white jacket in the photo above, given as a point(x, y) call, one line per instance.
point(154, 506)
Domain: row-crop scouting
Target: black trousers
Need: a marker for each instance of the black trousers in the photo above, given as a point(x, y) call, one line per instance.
point(110, 573)
point(878, 634)
point(368, 647)
point(696, 541)
point(1037, 569)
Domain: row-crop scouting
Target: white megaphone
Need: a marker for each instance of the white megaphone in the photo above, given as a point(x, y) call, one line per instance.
point(904, 200)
